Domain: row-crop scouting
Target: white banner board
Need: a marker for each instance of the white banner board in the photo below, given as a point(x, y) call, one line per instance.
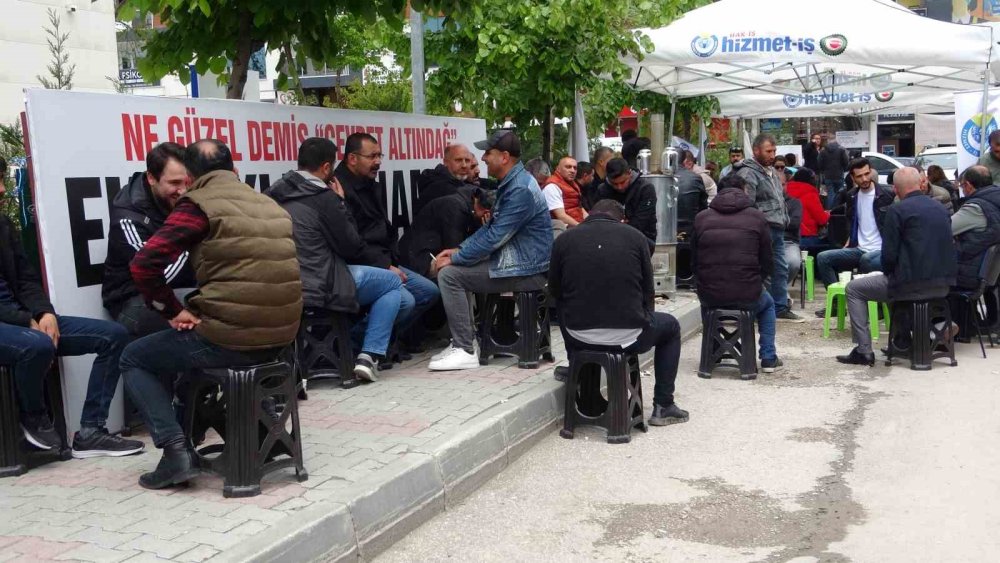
point(86, 146)
point(854, 139)
point(970, 124)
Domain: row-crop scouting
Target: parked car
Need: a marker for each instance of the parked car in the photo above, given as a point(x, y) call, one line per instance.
point(945, 157)
point(883, 164)
point(906, 160)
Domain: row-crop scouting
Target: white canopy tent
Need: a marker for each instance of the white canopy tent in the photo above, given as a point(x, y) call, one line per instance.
point(785, 58)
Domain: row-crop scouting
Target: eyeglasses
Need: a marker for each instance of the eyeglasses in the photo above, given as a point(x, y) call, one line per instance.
point(372, 156)
point(779, 167)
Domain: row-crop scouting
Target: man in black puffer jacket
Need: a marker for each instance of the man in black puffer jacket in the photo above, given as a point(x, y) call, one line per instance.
point(731, 254)
point(445, 178)
point(136, 213)
point(628, 188)
point(326, 241)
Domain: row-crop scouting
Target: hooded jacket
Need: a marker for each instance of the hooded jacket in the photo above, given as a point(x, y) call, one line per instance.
point(813, 214)
point(22, 280)
point(363, 201)
point(135, 216)
point(434, 183)
point(764, 191)
point(639, 199)
point(325, 240)
point(731, 251)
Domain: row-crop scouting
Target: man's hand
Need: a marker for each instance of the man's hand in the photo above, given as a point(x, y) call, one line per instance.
point(398, 272)
point(50, 326)
point(442, 262)
point(185, 320)
point(336, 187)
point(446, 253)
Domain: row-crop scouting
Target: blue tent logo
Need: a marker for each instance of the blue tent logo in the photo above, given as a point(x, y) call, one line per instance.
point(792, 101)
point(705, 45)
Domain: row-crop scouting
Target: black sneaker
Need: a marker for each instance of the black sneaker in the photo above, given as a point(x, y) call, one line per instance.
point(821, 313)
point(771, 366)
point(366, 368)
point(102, 444)
point(39, 432)
point(561, 373)
point(788, 316)
point(664, 416)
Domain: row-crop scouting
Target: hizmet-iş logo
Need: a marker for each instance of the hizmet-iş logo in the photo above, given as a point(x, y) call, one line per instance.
point(833, 45)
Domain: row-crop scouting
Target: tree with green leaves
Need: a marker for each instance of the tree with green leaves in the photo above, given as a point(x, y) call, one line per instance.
point(524, 60)
point(220, 35)
point(60, 70)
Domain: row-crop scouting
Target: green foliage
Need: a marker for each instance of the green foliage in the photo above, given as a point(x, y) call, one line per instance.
point(214, 32)
point(11, 141)
point(386, 91)
point(60, 70)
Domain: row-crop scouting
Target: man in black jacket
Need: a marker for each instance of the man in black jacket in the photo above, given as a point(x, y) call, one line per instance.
point(444, 223)
point(918, 258)
point(32, 336)
point(602, 280)
point(136, 213)
point(356, 174)
point(627, 187)
point(732, 254)
point(588, 193)
point(692, 197)
point(810, 152)
point(833, 162)
point(326, 241)
point(445, 178)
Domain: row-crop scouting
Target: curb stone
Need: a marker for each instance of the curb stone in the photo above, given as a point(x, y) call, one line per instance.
point(367, 517)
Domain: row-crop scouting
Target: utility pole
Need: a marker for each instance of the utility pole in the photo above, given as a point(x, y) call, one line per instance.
point(417, 60)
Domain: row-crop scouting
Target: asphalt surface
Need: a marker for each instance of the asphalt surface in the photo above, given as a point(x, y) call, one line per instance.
point(818, 462)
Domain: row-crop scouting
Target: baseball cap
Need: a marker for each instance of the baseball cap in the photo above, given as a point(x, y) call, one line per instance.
point(501, 140)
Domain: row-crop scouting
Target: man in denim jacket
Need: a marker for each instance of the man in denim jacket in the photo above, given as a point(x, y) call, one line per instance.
point(509, 253)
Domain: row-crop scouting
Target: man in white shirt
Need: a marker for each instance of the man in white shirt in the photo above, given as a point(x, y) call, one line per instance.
point(867, 205)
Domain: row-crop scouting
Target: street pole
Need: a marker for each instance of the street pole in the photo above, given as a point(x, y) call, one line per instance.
point(417, 60)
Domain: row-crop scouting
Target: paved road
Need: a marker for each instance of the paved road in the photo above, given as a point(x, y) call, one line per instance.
point(814, 463)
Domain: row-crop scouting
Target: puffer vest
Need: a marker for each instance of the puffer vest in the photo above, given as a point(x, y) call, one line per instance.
point(570, 195)
point(972, 245)
point(249, 292)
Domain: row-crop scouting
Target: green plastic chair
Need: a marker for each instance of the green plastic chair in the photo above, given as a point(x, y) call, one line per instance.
point(810, 282)
point(839, 289)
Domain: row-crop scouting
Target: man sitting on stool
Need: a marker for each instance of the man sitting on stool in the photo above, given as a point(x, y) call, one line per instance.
point(602, 279)
point(917, 255)
point(732, 254)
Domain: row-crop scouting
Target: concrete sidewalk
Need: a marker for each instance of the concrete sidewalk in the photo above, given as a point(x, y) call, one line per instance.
point(382, 459)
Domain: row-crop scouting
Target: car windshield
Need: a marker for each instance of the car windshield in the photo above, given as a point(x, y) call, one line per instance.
point(947, 160)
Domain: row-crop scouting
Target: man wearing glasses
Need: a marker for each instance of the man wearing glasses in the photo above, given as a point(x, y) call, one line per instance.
point(357, 174)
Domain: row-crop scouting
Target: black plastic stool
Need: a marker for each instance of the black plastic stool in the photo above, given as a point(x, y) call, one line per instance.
point(255, 432)
point(324, 336)
point(928, 342)
point(525, 334)
point(584, 404)
point(16, 454)
point(728, 333)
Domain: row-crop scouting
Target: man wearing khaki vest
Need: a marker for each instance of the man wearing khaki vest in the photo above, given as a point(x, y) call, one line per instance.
point(246, 308)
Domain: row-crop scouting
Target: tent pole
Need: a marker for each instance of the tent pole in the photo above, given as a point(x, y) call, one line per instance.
point(983, 141)
point(669, 137)
point(702, 145)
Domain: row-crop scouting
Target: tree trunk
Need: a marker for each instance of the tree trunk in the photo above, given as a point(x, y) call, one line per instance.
point(547, 135)
point(241, 62)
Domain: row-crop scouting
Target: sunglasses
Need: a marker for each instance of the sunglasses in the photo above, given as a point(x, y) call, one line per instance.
point(779, 167)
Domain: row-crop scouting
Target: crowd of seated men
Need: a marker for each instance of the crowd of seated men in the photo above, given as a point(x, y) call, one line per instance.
point(203, 272)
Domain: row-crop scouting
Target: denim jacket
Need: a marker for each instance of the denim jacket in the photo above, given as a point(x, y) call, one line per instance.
point(518, 238)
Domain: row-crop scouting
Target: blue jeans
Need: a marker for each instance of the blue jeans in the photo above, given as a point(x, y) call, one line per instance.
point(30, 352)
point(811, 243)
point(766, 326)
point(779, 279)
point(829, 262)
point(146, 361)
point(382, 290)
point(418, 295)
point(833, 187)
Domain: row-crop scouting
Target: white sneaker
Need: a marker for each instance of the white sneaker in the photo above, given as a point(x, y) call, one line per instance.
point(455, 359)
point(451, 346)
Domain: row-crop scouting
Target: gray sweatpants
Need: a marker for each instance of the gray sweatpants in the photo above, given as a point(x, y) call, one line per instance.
point(859, 292)
point(459, 283)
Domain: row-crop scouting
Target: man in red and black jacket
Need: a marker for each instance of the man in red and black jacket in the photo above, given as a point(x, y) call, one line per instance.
point(32, 335)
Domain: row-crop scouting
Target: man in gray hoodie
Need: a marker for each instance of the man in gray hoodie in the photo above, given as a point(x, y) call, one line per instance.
point(764, 189)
